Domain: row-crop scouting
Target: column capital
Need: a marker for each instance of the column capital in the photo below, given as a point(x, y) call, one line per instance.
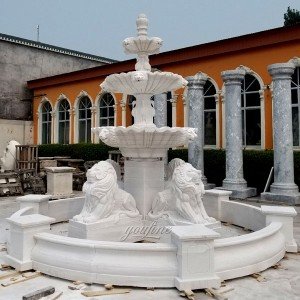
point(233, 76)
point(72, 111)
point(174, 99)
point(281, 70)
point(217, 96)
point(197, 81)
point(123, 103)
point(93, 109)
point(53, 113)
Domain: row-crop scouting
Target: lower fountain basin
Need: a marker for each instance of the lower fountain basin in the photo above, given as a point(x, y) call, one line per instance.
point(145, 142)
point(205, 262)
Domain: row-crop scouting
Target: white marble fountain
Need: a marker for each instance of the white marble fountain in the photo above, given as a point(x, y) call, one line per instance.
point(171, 210)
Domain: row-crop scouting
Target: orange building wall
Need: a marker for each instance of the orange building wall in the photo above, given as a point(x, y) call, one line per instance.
point(71, 91)
point(256, 59)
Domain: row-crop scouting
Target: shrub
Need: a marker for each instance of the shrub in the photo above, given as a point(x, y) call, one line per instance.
point(86, 151)
point(257, 165)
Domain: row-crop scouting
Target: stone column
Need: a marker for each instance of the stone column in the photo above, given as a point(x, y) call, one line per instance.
point(160, 117)
point(234, 180)
point(196, 120)
point(283, 189)
point(160, 106)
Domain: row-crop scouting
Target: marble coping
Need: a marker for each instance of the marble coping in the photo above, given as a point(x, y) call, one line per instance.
point(60, 169)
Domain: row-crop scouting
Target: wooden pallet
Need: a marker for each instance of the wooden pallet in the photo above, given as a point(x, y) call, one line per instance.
point(27, 157)
point(10, 184)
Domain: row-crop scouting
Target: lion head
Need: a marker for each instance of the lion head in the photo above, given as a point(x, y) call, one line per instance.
point(101, 175)
point(187, 180)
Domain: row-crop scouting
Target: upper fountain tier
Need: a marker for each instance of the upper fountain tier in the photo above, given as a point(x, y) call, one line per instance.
point(143, 139)
point(142, 80)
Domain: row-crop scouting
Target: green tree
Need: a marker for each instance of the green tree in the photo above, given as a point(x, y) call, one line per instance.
point(291, 17)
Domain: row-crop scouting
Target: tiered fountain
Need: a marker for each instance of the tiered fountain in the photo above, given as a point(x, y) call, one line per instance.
point(99, 247)
point(144, 147)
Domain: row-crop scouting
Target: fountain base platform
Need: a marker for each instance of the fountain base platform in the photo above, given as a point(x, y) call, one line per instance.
point(106, 230)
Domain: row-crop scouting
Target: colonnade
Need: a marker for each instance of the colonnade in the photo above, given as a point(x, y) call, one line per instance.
point(284, 188)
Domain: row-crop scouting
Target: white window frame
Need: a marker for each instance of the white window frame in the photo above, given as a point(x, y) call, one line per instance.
point(61, 98)
point(98, 101)
point(40, 120)
point(81, 95)
point(296, 62)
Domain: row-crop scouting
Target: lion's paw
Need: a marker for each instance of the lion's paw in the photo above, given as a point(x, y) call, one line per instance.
point(77, 218)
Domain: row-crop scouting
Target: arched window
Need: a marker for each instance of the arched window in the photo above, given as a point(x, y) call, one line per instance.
point(63, 122)
point(106, 110)
point(46, 120)
point(295, 87)
point(251, 110)
point(209, 113)
point(84, 120)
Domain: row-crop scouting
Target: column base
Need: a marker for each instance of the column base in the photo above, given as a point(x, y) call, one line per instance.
point(209, 186)
point(234, 184)
point(241, 193)
point(288, 199)
point(288, 189)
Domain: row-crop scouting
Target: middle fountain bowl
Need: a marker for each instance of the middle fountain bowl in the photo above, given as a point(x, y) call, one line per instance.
point(145, 142)
point(143, 82)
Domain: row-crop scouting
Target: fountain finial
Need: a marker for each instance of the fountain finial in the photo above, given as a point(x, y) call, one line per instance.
point(142, 25)
point(142, 83)
point(142, 45)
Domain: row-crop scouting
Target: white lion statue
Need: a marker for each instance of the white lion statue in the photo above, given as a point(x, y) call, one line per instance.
point(103, 198)
point(8, 161)
point(183, 198)
point(116, 167)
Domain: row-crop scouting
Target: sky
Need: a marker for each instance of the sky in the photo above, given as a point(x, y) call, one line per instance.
point(99, 26)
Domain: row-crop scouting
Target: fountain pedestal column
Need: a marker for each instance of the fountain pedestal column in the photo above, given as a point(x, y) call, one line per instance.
point(234, 180)
point(143, 179)
point(284, 188)
point(196, 120)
